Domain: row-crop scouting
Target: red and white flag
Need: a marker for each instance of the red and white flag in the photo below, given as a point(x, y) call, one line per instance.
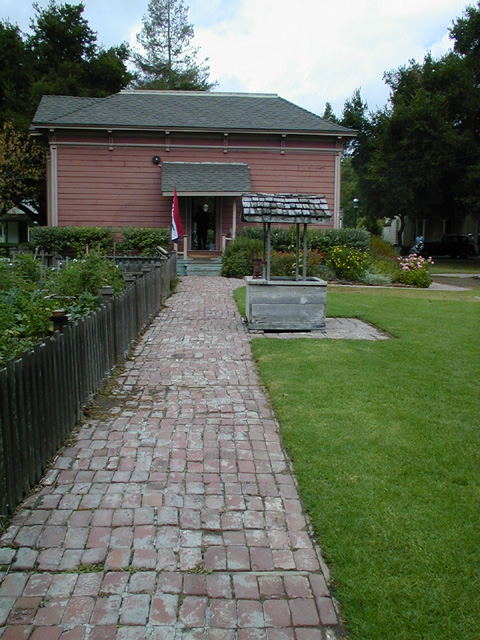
point(177, 230)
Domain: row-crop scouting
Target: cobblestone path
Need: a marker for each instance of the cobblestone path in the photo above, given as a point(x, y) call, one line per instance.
point(174, 514)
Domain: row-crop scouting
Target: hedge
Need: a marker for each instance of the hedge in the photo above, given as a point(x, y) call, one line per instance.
point(74, 240)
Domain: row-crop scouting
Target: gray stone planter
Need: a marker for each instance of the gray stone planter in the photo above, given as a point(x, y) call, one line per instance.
point(286, 305)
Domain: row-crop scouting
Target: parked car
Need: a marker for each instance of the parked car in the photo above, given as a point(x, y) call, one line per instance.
point(453, 245)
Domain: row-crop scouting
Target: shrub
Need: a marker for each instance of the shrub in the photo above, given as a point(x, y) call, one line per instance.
point(282, 264)
point(238, 265)
point(414, 271)
point(374, 278)
point(325, 239)
point(72, 240)
point(88, 275)
point(145, 240)
point(281, 239)
point(387, 267)
point(347, 263)
point(379, 248)
point(244, 243)
point(238, 256)
point(26, 304)
point(254, 233)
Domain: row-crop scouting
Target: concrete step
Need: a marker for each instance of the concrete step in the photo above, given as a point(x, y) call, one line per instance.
point(197, 267)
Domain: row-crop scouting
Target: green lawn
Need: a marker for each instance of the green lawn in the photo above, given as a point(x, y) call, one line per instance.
point(385, 443)
point(447, 265)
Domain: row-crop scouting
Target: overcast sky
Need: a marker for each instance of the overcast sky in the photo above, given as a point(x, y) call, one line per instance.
point(307, 51)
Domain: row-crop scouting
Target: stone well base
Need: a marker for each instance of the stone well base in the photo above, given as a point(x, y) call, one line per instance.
point(286, 305)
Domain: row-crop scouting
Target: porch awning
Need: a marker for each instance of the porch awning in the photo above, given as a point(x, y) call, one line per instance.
point(291, 208)
point(205, 178)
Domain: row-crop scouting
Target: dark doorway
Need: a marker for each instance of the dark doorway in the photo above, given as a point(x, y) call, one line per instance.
point(203, 228)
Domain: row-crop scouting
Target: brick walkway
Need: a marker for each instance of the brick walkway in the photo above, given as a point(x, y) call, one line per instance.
point(174, 514)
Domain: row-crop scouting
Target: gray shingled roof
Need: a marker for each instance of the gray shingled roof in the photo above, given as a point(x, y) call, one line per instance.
point(192, 178)
point(284, 207)
point(188, 110)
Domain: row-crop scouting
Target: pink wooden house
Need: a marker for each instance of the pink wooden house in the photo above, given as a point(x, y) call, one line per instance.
point(116, 161)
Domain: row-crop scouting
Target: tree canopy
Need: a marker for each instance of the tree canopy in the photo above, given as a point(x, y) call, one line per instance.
point(420, 155)
point(22, 166)
point(60, 56)
point(167, 59)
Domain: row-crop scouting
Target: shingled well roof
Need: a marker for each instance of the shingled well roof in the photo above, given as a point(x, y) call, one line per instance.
point(290, 208)
point(177, 110)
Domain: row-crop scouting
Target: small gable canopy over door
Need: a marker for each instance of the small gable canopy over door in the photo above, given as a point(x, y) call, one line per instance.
point(205, 178)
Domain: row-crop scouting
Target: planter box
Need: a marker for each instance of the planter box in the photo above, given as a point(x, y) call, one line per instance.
point(286, 305)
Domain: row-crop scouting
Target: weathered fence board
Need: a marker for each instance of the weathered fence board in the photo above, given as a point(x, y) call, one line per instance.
point(42, 394)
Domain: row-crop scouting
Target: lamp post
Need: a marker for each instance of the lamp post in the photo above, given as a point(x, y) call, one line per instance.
point(355, 211)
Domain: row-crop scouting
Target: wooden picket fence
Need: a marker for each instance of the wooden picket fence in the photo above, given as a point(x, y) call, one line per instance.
point(44, 392)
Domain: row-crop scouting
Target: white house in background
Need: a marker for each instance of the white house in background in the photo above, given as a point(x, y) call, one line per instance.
point(15, 227)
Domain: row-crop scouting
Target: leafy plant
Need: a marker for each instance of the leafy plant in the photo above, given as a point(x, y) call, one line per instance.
point(414, 271)
point(72, 240)
point(238, 256)
point(347, 263)
point(379, 248)
point(145, 240)
point(88, 275)
point(325, 239)
point(26, 302)
point(375, 278)
point(22, 166)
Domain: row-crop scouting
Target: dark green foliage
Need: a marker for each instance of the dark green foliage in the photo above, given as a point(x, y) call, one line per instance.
point(324, 239)
point(347, 263)
point(30, 292)
point(281, 239)
point(380, 248)
point(60, 56)
point(22, 168)
point(72, 240)
point(239, 254)
point(238, 265)
point(15, 82)
point(418, 157)
point(66, 59)
point(144, 240)
point(88, 275)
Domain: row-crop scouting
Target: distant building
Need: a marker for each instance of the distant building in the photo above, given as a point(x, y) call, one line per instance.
point(116, 161)
point(15, 227)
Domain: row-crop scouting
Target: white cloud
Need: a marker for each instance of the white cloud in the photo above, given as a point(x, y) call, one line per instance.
point(308, 51)
point(314, 51)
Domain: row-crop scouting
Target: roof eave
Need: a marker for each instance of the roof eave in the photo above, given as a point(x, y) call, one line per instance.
point(203, 193)
point(39, 127)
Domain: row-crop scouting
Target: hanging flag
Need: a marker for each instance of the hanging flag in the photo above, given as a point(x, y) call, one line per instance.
point(177, 230)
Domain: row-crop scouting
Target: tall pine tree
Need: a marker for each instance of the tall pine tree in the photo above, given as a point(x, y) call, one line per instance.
point(167, 59)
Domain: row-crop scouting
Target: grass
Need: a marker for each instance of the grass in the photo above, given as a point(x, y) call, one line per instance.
point(384, 438)
point(444, 265)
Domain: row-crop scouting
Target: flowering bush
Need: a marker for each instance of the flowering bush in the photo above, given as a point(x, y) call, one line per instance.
point(347, 263)
point(414, 271)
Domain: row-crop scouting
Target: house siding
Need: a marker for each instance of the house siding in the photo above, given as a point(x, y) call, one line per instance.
point(110, 180)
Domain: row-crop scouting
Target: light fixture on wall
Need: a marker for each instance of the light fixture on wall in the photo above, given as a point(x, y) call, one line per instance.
point(156, 159)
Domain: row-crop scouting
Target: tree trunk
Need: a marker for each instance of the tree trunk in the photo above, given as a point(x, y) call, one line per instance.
point(401, 230)
point(169, 45)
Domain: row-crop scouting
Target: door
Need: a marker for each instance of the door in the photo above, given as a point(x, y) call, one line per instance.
point(203, 232)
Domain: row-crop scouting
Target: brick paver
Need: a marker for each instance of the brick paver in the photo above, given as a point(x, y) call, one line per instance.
point(174, 514)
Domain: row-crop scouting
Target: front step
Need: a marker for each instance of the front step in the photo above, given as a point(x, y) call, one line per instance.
point(196, 267)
